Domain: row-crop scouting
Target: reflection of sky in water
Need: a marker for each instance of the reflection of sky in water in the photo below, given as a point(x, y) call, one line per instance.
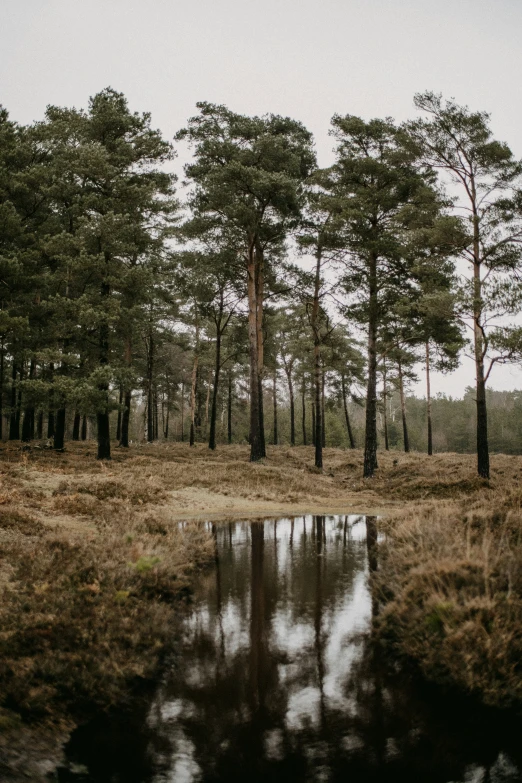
point(275, 659)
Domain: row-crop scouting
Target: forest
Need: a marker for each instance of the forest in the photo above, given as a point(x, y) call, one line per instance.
point(278, 544)
point(261, 299)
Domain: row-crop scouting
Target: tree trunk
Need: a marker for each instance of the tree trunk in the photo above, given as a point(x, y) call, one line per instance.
point(403, 408)
point(292, 404)
point(39, 426)
point(125, 419)
point(125, 416)
point(76, 426)
point(193, 401)
point(156, 420)
point(102, 415)
point(50, 416)
point(229, 409)
point(385, 402)
point(255, 345)
point(346, 416)
point(19, 399)
point(150, 390)
point(14, 422)
point(274, 387)
point(118, 426)
point(59, 432)
point(323, 417)
point(207, 404)
point(313, 423)
point(2, 358)
point(428, 400)
point(84, 427)
point(217, 371)
point(370, 439)
point(166, 431)
point(183, 410)
point(482, 415)
point(28, 422)
point(303, 410)
point(318, 377)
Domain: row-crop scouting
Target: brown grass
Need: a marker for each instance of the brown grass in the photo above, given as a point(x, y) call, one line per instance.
point(451, 583)
point(92, 555)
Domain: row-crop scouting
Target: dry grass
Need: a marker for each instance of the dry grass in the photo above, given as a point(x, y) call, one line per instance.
point(92, 555)
point(451, 583)
point(91, 567)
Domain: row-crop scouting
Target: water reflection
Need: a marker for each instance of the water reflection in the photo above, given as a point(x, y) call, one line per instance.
point(278, 679)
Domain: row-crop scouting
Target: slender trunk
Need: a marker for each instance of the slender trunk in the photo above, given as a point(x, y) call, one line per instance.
point(76, 426)
point(183, 410)
point(14, 431)
point(102, 414)
point(150, 390)
point(207, 404)
point(217, 371)
point(229, 409)
point(428, 399)
point(198, 418)
point(318, 377)
point(318, 435)
point(194, 422)
point(193, 401)
point(19, 399)
point(59, 432)
point(288, 371)
point(156, 421)
point(84, 427)
point(166, 432)
point(370, 440)
point(385, 403)
point(260, 295)
point(479, 344)
point(118, 426)
point(274, 392)
point(2, 389)
point(39, 426)
point(255, 312)
point(50, 413)
point(303, 410)
point(28, 422)
point(346, 416)
point(403, 408)
point(323, 417)
point(482, 415)
point(125, 417)
point(313, 423)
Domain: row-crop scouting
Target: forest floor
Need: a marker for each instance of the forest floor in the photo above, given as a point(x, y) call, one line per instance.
point(98, 559)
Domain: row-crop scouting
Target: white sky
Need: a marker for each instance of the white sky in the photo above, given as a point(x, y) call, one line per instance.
point(302, 58)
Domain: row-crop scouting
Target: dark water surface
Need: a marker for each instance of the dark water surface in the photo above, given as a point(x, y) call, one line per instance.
point(277, 679)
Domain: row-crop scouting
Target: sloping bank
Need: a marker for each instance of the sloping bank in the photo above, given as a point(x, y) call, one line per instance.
point(86, 612)
point(450, 583)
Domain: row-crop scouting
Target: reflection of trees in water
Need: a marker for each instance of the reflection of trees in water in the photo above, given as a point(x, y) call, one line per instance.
point(402, 729)
point(253, 687)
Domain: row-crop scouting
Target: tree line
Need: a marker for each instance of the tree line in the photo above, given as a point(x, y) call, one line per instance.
point(120, 290)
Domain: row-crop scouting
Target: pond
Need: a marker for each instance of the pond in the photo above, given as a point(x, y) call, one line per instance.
point(276, 678)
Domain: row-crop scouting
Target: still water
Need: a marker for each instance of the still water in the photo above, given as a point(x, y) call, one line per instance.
point(276, 678)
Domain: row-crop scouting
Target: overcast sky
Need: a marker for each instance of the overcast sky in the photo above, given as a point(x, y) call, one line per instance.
point(302, 58)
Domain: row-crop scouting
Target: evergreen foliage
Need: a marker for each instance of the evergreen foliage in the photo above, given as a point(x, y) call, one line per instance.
point(126, 314)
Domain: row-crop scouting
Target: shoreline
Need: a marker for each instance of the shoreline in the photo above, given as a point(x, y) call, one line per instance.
point(92, 558)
